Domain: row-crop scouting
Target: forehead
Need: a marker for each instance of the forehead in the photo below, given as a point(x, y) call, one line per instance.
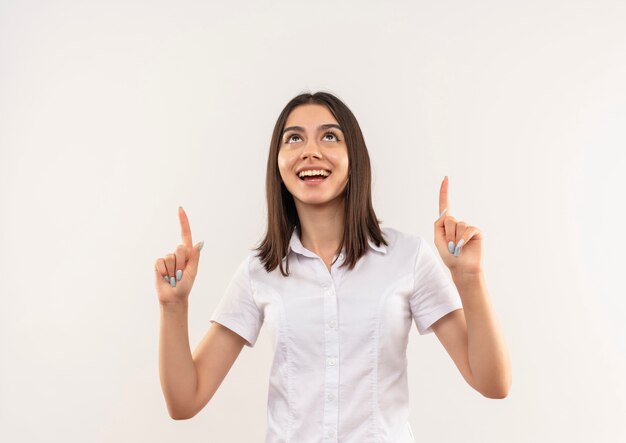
point(310, 115)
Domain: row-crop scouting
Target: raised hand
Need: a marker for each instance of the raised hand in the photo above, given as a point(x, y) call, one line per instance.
point(176, 272)
point(459, 244)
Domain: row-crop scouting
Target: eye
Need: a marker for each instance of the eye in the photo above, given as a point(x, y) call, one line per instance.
point(288, 140)
point(333, 134)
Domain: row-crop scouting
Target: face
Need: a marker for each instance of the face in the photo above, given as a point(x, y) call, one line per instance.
point(309, 142)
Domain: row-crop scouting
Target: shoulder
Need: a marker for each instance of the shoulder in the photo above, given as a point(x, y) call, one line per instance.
point(402, 241)
point(242, 270)
point(249, 269)
point(256, 268)
point(254, 262)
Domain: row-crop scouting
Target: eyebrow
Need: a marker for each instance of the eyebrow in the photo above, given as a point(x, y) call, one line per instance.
point(320, 127)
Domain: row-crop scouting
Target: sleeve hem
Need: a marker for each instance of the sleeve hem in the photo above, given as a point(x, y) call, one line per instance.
point(234, 326)
point(425, 322)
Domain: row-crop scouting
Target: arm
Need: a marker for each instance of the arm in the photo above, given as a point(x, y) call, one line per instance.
point(176, 367)
point(473, 339)
point(189, 382)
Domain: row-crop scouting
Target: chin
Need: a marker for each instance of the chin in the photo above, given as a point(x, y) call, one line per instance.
point(318, 199)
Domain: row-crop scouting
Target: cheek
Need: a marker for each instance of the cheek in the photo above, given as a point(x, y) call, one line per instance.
point(341, 161)
point(283, 165)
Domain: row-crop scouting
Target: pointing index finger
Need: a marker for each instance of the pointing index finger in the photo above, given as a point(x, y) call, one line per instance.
point(185, 230)
point(443, 196)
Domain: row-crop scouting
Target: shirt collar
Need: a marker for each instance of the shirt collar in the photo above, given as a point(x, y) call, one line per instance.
point(296, 245)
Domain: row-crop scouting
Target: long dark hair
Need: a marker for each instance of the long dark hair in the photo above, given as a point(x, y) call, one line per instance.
point(282, 218)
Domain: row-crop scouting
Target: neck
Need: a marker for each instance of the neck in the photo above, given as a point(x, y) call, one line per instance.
point(321, 227)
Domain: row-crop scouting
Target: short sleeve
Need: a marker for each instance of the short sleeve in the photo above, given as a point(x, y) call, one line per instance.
point(237, 309)
point(434, 293)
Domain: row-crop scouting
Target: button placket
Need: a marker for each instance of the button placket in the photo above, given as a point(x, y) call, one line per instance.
point(331, 378)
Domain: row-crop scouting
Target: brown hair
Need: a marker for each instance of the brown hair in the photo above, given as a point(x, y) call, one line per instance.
point(282, 217)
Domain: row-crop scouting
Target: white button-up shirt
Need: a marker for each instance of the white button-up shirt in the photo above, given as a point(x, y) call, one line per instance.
point(339, 372)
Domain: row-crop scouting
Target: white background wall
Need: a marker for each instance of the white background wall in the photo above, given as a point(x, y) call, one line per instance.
point(114, 113)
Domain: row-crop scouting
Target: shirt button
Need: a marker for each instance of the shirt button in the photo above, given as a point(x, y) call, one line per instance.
point(331, 396)
point(332, 324)
point(331, 433)
point(331, 361)
point(340, 256)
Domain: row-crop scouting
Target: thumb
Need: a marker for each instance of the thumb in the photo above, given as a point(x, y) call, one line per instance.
point(192, 263)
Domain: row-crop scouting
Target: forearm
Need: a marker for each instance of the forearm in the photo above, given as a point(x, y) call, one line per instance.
point(177, 369)
point(487, 352)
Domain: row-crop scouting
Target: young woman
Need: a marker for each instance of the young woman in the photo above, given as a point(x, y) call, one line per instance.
point(337, 292)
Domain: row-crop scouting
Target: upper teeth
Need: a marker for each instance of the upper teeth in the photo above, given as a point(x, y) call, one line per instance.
point(314, 172)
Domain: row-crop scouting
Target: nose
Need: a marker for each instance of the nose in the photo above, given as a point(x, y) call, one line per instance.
point(311, 149)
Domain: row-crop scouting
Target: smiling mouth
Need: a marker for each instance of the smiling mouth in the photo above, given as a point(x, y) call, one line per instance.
point(314, 177)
